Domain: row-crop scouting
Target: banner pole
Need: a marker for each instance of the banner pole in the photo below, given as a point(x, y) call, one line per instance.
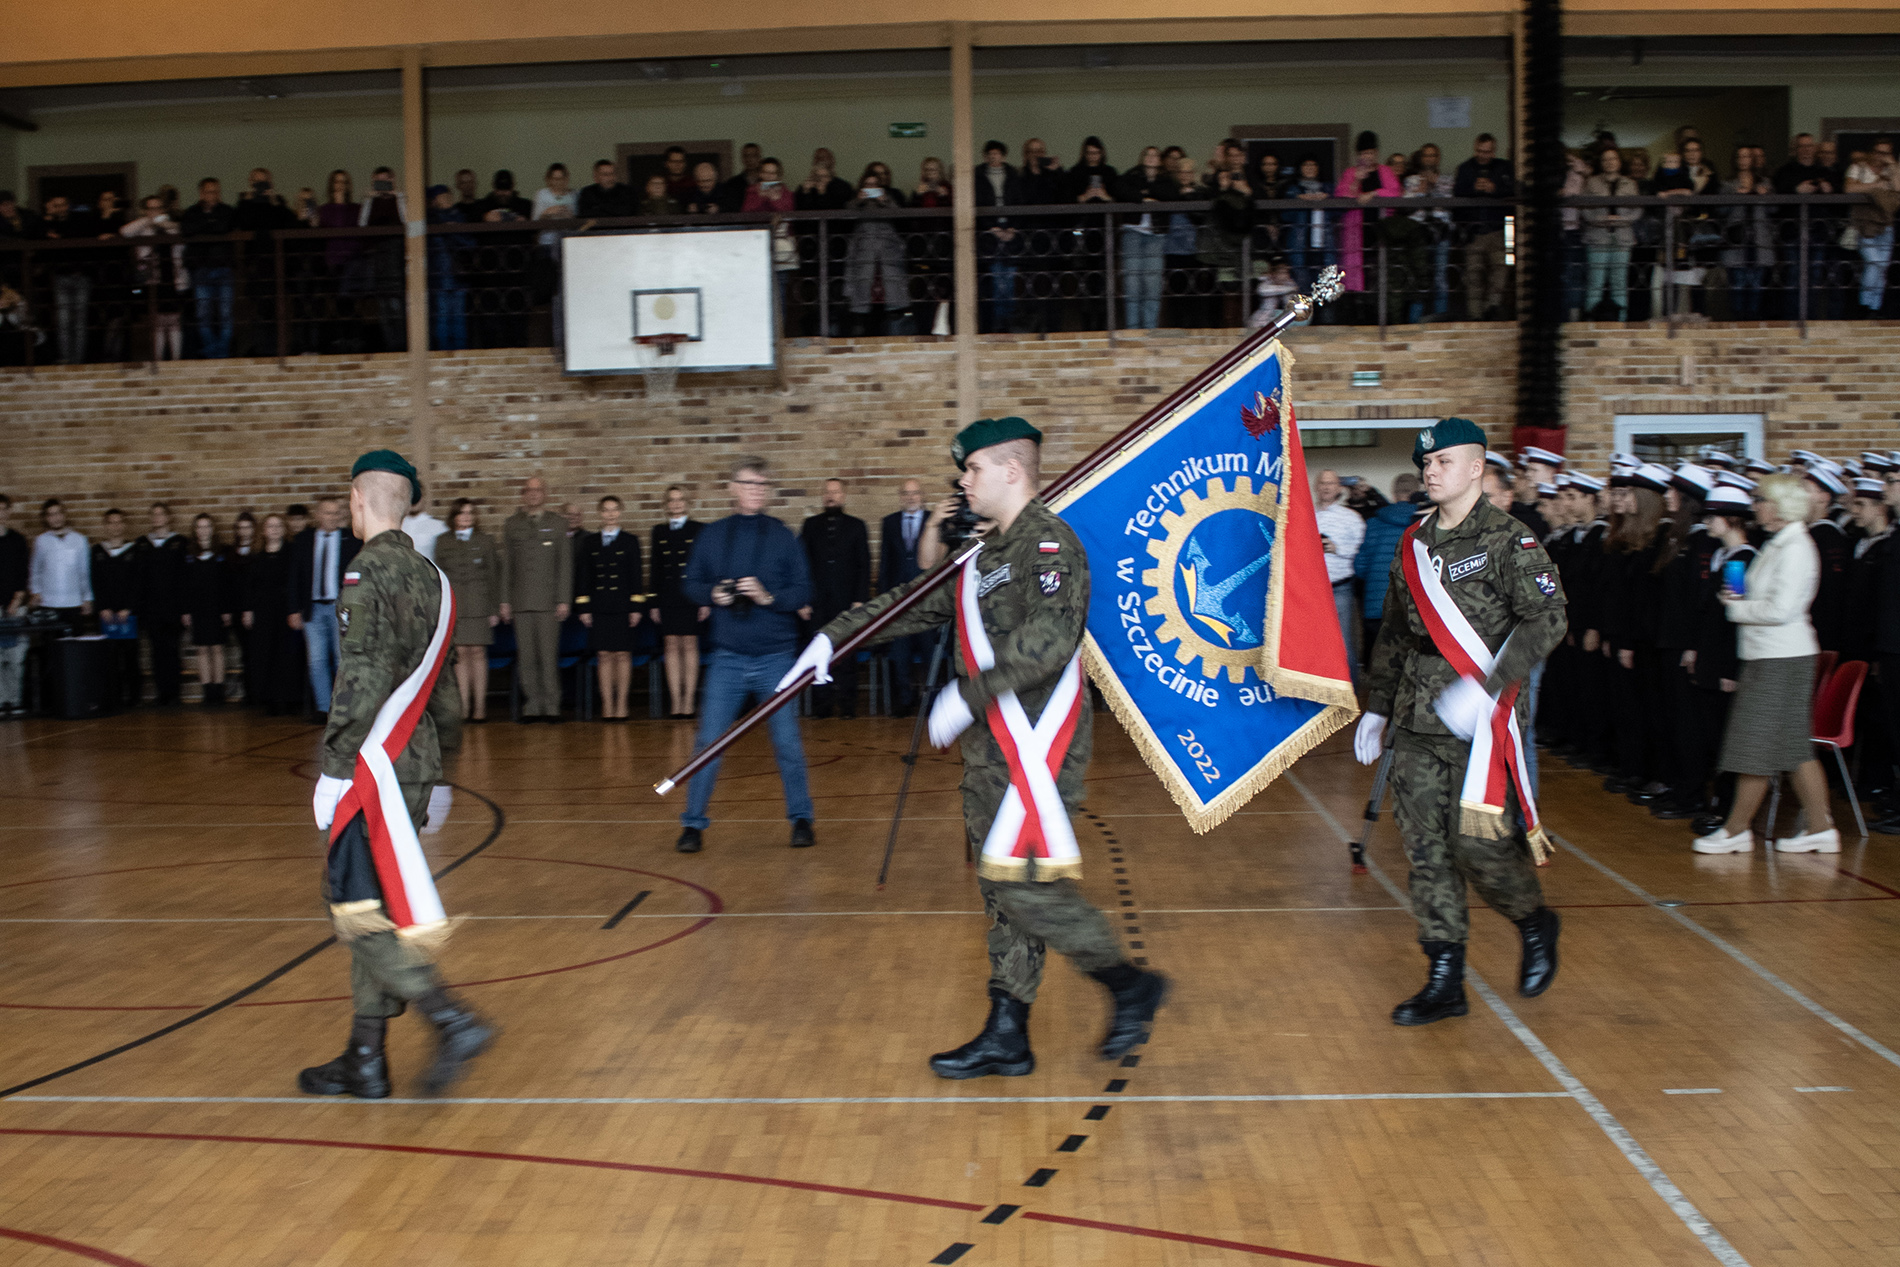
point(1328, 287)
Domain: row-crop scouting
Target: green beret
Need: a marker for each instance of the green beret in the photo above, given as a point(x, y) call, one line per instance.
point(984, 432)
point(393, 462)
point(1446, 433)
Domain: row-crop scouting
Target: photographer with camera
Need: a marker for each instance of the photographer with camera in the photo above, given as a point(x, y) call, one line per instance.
point(751, 570)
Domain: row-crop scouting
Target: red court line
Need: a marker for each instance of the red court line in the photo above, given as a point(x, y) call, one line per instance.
point(1864, 880)
point(1155, 1233)
point(714, 903)
point(588, 1163)
point(70, 1247)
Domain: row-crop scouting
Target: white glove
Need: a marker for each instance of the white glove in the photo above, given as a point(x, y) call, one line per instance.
point(949, 717)
point(323, 804)
point(441, 800)
point(817, 657)
point(1464, 707)
point(1369, 740)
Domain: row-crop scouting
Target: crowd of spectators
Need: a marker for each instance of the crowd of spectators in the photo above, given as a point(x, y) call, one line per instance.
point(1709, 604)
point(1225, 262)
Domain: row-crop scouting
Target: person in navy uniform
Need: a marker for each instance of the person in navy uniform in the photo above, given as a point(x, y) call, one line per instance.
point(609, 597)
point(680, 620)
point(897, 563)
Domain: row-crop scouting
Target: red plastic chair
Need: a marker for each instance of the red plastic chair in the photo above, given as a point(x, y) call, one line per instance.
point(1835, 702)
point(1823, 669)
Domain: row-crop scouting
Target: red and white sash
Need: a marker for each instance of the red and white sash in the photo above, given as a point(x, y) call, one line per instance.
point(1032, 821)
point(409, 896)
point(1497, 750)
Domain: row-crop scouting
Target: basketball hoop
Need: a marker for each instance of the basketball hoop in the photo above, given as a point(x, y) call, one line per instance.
point(660, 363)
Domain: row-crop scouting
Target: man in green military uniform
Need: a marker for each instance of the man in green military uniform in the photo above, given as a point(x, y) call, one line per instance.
point(1021, 607)
point(1464, 624)
point(537, 584)
point(396, 614)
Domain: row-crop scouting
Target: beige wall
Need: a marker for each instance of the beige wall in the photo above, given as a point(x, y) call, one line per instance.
point(524, 129)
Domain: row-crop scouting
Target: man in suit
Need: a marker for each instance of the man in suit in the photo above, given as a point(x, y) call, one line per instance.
point(320, 557)
point(897, 563)
point(838, 552)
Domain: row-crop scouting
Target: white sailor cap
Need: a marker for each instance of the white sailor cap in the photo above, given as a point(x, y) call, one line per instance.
point(1875, 461)
point(1623, 460)
point(1851, 469)
point(1546, 490)
point(1808, 457)
point(1729, 479)
point(1651, 476)
point(1587, 483)
point(1692, 479)
point(1756, 466)
point(1715, 455)
point(1876, 489)
point(1492, 458)
point(1726, 499)
point(1531, 453)
point(1827, 479)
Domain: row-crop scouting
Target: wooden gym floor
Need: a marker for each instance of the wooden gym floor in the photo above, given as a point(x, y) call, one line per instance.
point(720, 1058)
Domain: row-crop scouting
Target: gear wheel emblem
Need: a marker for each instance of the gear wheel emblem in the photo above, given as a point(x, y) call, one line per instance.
point(1210, 578)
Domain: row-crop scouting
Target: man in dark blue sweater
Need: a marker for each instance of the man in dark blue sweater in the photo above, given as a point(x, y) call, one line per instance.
point(750, 569)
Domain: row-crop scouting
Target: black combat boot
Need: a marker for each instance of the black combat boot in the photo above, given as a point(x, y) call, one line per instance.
point(361, 1071)
point(1539, 966)
point(1444, 992)
point(1002, 1048)
point(691, 840)
point(461, 1036)
point(1137, 996)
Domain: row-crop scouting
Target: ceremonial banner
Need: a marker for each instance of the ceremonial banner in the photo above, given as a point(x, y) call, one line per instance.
point(1212, 631)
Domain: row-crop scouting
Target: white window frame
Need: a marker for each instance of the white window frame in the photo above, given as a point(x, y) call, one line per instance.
point(1747, 426)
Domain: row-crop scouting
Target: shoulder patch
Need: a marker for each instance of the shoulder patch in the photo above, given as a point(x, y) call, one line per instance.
point(989, 582)
point(1050, 581)
point(352, 578)
point(1527, 543)
point(1546, 582)
point(1048, 547)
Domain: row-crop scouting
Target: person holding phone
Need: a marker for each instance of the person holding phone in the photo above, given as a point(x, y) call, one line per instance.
point(876, 270)
point(1769, 721)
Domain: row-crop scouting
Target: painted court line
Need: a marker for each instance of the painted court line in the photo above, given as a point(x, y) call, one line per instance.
point(1318, 1098)
point(1659, 1181)
point(318, 919)
point(1734, 952)
point(1692, 1091)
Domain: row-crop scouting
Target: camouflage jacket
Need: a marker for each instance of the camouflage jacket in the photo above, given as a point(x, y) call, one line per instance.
point(386, 609)
point(1498, 573)
point(1034, 597)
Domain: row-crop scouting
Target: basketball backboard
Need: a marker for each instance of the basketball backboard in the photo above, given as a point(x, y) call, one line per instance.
point(713, 286)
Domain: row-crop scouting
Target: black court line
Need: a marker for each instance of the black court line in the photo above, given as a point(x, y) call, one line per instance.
point(1001, 1213)
point(1072, 1143)
point(1096, 1113)
point(955, 1252)
point(501, 821)
point(626, 910)
point(1040, 1179)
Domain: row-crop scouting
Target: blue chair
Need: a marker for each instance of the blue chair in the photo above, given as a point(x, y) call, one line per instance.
point(573, 654)
point(502, 655)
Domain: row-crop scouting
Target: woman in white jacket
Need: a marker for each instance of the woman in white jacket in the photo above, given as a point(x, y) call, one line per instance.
point(1770, 723)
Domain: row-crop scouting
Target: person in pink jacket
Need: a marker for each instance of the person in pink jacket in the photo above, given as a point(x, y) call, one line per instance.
point(1366, 180)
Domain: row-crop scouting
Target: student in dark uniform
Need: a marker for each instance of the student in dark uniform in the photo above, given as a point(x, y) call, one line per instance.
point(115, 596)
point(1628, 599)
point(1714, 667)
point(159, 558)
point(1866, 575)
point(609, 597)
point(1681, 571)
point(274, 662)
point(1828, 614)
point(208, 604)
point(238, 558)
point(838, 551)
point(680, 620)
point(1577, 548)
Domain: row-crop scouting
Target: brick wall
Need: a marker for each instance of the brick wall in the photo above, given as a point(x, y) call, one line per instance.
point(227, 435)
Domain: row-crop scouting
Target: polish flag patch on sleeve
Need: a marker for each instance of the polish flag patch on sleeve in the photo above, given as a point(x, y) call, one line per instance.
point(351, 578)
point(1049, 547)
point(1527, 543)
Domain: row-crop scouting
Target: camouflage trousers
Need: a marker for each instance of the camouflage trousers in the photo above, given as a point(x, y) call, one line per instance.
point(1427, 773)
point(1027, 917)
point(384, 973)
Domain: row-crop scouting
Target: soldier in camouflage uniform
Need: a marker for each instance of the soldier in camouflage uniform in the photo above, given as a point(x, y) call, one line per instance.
point(1505, 584)
point(1034, 599)
point(537, 584)
point(391, 600)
